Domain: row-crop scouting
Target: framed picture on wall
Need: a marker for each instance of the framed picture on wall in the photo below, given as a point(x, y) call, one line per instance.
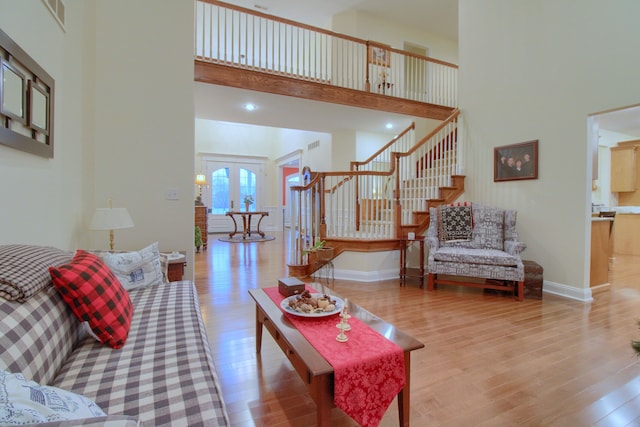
point(379, 55)
point(516, 161)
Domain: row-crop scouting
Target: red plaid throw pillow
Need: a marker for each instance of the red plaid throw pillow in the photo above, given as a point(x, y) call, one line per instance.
point(96, 296)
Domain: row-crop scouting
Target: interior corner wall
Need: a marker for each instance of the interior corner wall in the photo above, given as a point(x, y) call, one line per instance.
point(343, 149)
point(44, 200)
point(536, 70)
point(370, 27)
point(144, 121)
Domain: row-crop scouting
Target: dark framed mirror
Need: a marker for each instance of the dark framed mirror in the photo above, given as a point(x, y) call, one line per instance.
point(12, 92)
point(38, 108)
point(27, 101)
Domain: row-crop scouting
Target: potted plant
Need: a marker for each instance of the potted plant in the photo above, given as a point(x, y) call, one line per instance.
point(317, 245)
point(321, 252)
point(198, 238)
point(636, 345)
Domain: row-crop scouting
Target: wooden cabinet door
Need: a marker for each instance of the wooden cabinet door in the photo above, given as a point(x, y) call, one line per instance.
point(623, 169)
point(626, 229)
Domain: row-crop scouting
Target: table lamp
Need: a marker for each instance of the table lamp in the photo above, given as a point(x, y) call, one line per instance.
point(201, 180)
point(111, 219)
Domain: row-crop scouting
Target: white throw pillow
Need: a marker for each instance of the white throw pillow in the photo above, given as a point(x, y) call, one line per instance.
point(25, 402)
point(136, 269)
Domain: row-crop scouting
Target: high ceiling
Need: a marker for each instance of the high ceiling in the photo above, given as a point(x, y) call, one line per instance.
point(434, 16)
point(227, 104)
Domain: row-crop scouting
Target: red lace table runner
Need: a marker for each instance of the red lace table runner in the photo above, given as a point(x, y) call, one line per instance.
point(368, 368)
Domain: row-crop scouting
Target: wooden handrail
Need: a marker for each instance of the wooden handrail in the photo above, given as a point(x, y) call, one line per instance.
point(422, 57)
point(411, 127)
point(454, 115)
point(324, 31)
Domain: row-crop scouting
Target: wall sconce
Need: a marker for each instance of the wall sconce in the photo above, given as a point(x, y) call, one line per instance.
point(111, 219)
point(201, 180)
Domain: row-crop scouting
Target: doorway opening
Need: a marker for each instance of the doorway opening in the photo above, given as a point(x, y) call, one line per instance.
point(232, 182)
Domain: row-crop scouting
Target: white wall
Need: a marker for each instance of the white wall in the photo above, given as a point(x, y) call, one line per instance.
point(43, 200)
point(367, 143)
point(536, 70)
point(123, 125)
point(370, 27)
point(144, 120)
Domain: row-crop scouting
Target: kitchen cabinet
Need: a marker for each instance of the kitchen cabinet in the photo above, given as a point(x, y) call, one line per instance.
point(601, 236)
point(623, 169)
point(627, 230)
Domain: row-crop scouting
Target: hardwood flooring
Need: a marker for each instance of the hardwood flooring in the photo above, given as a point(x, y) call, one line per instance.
point(488, 360)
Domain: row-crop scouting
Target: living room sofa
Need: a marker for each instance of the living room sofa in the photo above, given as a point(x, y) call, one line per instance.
point(161, 373)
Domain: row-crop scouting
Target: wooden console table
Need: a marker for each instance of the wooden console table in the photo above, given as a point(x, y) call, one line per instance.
point(246, 223)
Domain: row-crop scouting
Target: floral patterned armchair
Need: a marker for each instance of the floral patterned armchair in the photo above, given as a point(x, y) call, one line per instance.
point(470, 240)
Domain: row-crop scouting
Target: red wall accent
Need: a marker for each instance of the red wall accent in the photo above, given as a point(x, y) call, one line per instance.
point(286, 171)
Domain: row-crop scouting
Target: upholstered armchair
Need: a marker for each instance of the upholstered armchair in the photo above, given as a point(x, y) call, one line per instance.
point(475, 241)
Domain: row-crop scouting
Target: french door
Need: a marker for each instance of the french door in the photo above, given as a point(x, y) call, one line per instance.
point(229, 183)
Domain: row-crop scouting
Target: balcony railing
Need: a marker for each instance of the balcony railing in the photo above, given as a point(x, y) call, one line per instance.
point(242, 38)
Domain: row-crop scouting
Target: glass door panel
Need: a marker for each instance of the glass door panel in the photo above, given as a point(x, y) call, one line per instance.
point(230, 184)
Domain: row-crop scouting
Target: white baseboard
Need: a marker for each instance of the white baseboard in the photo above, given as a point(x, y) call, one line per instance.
point(565, 291)
point(361, 276)
point(583, 295)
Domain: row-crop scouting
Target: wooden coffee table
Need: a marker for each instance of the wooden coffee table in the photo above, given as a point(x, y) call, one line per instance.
point(313, 369)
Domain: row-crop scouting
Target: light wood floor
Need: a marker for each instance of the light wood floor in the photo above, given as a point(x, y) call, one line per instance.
point(488, 360)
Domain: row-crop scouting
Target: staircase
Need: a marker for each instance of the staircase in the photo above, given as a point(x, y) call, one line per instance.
point(378, 201)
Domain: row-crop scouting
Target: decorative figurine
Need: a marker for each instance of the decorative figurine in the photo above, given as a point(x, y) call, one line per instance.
point(342, 337)
point(344, 319)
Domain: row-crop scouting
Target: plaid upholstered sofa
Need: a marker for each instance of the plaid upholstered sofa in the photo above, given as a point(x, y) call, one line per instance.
point(163, 374)
point(470, 240)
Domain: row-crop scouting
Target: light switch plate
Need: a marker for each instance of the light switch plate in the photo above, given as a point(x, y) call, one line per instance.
point(171, 194)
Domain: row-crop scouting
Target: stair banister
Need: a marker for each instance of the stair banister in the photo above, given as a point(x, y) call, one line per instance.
point(355, 164)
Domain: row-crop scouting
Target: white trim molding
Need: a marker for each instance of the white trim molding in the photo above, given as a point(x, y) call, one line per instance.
point(571, 292)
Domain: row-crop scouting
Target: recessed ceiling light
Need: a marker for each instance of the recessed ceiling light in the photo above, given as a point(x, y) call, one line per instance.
point(249, 107)
point(261, 7)
point(389, 126)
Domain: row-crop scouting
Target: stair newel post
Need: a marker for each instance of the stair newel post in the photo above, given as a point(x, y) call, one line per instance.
point(367, 83)
point(357, 196)
point(323, 222)
point(397, 208)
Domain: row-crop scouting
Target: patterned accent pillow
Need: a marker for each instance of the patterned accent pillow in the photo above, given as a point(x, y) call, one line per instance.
point(27, 402)
point(96, 296)
point(136, 269)
point(24, 269)
point(489, 230)
point(455, 223)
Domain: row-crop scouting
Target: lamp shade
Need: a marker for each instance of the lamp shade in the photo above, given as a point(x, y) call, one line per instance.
point(201, 179)
point(111, 219)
